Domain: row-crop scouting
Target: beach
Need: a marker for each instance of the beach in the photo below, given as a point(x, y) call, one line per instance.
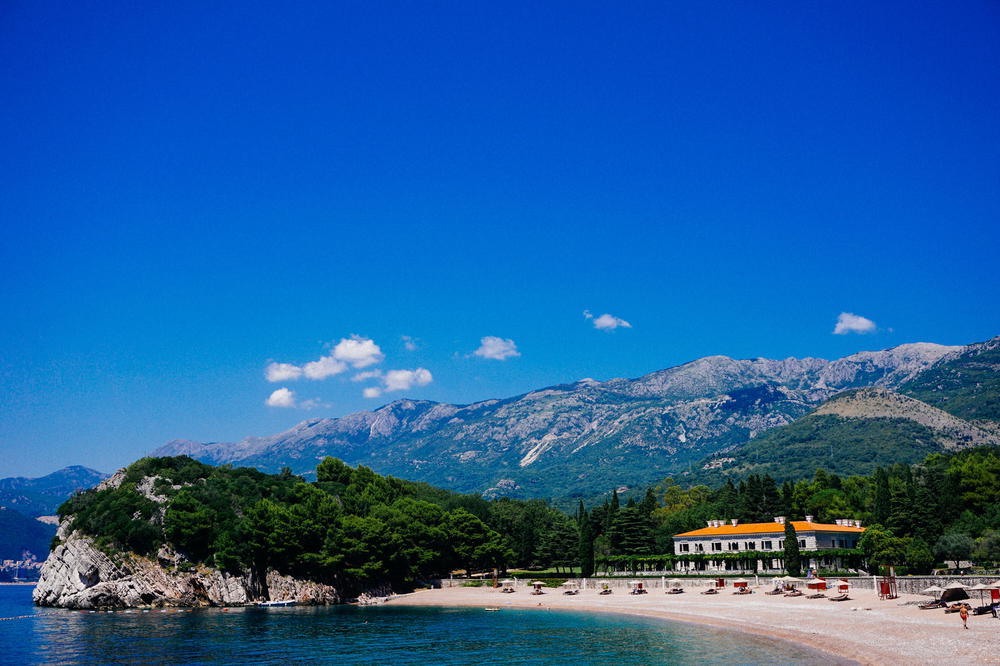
point(864, 629)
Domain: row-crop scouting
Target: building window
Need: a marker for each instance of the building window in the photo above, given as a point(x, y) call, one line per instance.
point(802, 543)
point(766, 545)
point(781, 544)
point(684, 547)
point(733, 545)
point(717, 546)
point(751, 545)
point(699, 547)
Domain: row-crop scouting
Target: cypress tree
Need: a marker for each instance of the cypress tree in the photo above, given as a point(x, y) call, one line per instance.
point(793, 560)
point(881, 503)
point(586, 554)
point(649, 502)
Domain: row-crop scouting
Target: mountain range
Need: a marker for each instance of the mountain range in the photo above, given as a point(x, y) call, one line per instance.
point(714, 413)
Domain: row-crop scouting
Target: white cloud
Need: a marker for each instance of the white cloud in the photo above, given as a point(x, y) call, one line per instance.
point(409, 343)
point(607, 322)
point(281, 398)
point(403, 380)
point(366, 375)
point(372, 392)
point(848, 322)
point(496, 348)
point(282, 372)
point(359, 352)
point(326, 366)
point(587, 314)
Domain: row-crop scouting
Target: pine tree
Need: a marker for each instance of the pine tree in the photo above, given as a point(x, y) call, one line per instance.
point(793, 560)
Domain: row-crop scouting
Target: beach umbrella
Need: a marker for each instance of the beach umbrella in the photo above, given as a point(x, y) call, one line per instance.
point(739, 582)
point(954, 592)
point(982, 590)
point(932, 590)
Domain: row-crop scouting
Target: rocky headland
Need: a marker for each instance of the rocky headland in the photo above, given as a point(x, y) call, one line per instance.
point(79, 574)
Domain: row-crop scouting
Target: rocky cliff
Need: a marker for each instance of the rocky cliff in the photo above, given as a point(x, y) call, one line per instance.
point(79, 575)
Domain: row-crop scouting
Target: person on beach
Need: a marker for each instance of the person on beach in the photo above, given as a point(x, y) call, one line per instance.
point(964, 614)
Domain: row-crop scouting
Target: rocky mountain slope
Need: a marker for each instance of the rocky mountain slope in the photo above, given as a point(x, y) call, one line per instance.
point(965, 382)
point(583, 438)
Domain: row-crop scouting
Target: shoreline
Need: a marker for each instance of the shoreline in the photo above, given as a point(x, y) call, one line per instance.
point(864, 630)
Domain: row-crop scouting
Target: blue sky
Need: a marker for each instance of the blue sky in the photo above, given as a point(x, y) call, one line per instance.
point(189, 193)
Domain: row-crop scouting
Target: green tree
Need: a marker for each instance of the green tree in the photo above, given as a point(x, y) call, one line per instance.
point(954, 547)
point(333, 470)
point(987, 548)
point(793, 560)
point(881, 504)
point(919, 557)
point(586, 544)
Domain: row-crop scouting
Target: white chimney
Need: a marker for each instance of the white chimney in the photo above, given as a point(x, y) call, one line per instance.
point(857, 523)
point(809, 519)
point(780, 520)
point(735, 521)
point(709, 523)
point(840, 521)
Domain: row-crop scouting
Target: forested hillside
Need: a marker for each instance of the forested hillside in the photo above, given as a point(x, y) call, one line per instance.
point(943, 509)
point(966, 384)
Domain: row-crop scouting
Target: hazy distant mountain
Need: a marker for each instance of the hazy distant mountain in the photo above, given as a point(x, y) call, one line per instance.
point(42, 496)
point(582, 438)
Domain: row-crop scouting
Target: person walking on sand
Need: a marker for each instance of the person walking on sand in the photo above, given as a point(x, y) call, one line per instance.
point(964, 614)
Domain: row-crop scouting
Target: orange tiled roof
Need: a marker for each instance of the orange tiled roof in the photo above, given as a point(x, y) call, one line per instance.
point(769, 528)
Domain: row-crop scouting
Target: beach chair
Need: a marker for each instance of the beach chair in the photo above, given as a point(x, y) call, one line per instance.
point(840, 597)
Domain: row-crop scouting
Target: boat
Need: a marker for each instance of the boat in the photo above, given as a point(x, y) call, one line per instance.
point(491, 608)
point(286, 602)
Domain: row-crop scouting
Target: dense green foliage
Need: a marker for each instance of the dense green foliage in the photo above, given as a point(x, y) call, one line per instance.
point(352, 526)
point(967, 386)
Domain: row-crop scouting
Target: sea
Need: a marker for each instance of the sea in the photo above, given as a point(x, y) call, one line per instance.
point(369, 635)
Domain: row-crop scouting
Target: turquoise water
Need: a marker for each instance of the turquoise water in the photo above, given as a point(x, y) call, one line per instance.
point(374, 635)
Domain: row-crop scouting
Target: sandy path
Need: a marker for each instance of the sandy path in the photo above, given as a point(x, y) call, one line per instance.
point(864, 629)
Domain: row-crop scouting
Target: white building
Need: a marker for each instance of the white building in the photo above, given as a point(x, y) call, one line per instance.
point(720, 537)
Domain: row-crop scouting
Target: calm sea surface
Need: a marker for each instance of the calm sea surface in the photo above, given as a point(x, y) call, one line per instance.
point(374, 635)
